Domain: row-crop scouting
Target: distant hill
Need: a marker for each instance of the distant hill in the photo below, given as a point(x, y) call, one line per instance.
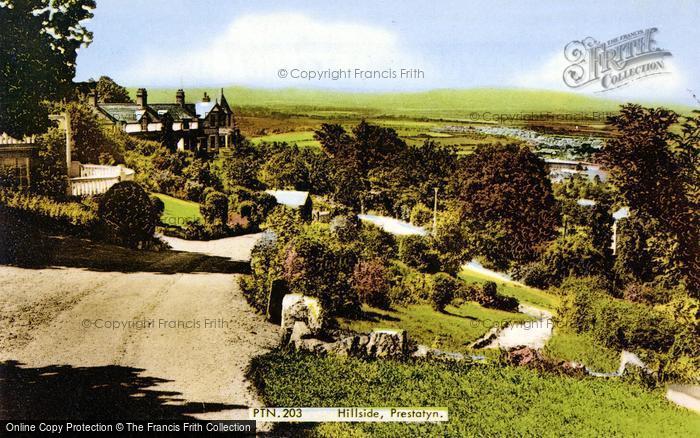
point(443, 103)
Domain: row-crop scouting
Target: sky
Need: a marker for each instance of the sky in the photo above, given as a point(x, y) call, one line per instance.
point(404, 45)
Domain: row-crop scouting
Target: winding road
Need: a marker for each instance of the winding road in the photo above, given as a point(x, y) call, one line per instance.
point(106, 332)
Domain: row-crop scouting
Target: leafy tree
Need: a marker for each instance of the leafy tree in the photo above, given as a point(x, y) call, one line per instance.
point(655, 171)
point(110, 91)
point(507, 199)
point(444, 289)
point(39, 40)
point(91, 144)
point(241, 167)
point(50, 176)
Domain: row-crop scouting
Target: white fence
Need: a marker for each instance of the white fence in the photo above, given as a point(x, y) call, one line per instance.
point(95, 179)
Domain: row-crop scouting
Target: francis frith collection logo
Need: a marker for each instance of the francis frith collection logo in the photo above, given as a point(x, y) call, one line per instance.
point(614, 63)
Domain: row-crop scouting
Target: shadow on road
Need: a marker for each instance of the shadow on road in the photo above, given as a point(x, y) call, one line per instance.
point(75, 252)
point(62, 392)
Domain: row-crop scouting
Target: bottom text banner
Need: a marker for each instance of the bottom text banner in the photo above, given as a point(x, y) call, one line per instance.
point(364, 414)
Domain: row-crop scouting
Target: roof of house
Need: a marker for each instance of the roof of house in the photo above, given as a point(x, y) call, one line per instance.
point(290, 198)
point(126, 112)
point(203, 108)
point(175, 111)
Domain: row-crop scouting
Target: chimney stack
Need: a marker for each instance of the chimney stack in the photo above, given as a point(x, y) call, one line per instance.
point(180, 97)
point(206, 97)
point(141, 97)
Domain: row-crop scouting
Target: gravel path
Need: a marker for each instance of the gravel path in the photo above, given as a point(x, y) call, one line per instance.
point(186, 358)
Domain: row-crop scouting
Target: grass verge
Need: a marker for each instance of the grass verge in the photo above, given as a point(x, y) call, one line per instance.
point(483, 400)
point(178, 211)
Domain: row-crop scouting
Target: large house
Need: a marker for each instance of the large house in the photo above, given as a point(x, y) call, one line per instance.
point(203, 126)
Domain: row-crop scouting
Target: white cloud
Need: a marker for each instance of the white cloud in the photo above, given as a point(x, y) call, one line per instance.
point(670, 86)
point(255, 47)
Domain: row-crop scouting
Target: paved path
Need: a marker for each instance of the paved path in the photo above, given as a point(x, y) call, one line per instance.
point(183, 342)
point(533, 334)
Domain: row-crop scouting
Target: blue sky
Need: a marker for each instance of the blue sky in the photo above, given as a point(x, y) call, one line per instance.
point(460, 44)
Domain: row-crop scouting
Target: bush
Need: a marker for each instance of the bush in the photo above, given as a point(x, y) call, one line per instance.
point(376, 243)
point(215, 208)
point(128, 214)
point(370, 282)
point(68, 214)
point(612, 322)
point(346, 228)
point(533, 274)
point(421, 215)
point(408, 286)
point(315, 267)
point(415, 252)
point(443, 291)
point(158, 206)
point(264, 268)
point(487, 295)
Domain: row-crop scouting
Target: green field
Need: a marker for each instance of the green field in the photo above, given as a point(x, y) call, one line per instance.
point(177, 211)
point(523, 293)
point(301, 139)
point(453, 330)
point(483, 400)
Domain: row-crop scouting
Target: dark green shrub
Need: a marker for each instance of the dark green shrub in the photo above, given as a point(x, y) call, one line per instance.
point(416, 252)
point(371, 284)
point(127, 212)
point(533, 274)
point(158, 206)
point(443, 291)
point(614, 323)
point(315, 267)
point(346, 228)
point(215, 208)
point(246, 208)
point(421, 215)
point(487, 295)
point(264, 267)
point(376, 243)
point(408, 285)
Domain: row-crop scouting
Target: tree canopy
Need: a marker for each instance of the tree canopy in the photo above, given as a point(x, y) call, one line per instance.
point(38, 49)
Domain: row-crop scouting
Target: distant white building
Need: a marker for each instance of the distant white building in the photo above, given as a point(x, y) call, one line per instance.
point(293, 199)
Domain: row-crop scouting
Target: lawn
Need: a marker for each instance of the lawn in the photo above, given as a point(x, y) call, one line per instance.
point(567, 345)
point(483, 400)
point(453, 330)
point(523, 293)
point(177, 211)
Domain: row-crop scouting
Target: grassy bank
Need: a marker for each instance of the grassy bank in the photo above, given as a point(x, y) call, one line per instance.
point(453, 330)
point(524, 294)
point(178, 211)
point(581, 348)
point(484, 400)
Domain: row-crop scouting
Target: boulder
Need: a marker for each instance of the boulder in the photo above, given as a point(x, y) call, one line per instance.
point(387, 344)
point(355, 346)
point(299, 331)
point(296, 307)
